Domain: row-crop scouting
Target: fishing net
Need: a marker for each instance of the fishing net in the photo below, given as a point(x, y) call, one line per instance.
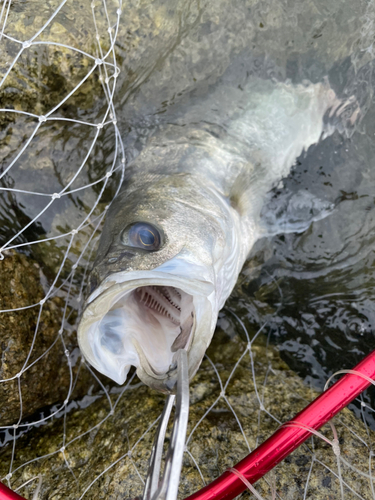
point(68, 432)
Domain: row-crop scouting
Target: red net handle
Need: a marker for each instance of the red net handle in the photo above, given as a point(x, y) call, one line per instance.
point(8, 494)
point(287, 439)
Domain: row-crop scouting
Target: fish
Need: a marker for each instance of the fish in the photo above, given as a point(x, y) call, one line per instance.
point(188, 213)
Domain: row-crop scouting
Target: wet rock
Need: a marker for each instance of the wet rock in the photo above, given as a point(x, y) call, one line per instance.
point(95, 453)
point(32, 353)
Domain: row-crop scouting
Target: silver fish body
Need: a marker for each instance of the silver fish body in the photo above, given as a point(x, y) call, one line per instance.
point(177, 235)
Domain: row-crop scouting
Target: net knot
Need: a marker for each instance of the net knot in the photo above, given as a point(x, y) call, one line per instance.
point(60, 331)
point(42, 119)
point(74, 231)
point(15, 426)
point(74, 267)
point(62, 449)
point(99, 126)
point(8, 476)
point(98, 61)
point(108, 174)
point(42, 301)
point(55, 196)
point(118, 12)
point(336, 447)
point(222, 394)
point(26, 44)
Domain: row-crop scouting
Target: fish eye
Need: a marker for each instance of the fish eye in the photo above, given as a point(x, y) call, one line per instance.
point(142, 235)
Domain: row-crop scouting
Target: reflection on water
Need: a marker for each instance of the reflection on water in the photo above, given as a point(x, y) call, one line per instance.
point(321, 314)
point(312, 281)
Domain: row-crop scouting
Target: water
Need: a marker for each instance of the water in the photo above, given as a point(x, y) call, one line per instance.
point(312, 278)
point(325, 317)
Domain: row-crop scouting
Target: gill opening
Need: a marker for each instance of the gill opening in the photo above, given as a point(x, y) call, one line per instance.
point(165, 301)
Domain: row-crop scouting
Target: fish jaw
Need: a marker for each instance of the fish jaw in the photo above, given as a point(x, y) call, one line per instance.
point(119, 328)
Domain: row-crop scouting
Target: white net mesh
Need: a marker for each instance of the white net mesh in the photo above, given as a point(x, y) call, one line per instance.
point(63, 162)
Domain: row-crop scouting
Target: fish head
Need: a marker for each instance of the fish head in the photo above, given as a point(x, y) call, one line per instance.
point(168, 258)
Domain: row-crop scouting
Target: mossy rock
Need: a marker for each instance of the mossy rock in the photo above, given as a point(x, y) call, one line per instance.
point(102, 451)
point(32, 352)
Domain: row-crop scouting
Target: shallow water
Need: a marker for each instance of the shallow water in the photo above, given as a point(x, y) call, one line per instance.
point(312, 281)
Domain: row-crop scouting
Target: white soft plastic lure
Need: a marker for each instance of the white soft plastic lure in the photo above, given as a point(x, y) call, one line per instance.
point(177, 235)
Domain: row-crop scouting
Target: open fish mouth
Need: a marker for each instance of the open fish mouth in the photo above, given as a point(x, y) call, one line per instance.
point(154, 321)
point(143, 322)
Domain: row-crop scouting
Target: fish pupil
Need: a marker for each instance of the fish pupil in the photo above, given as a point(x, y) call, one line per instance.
point(147, 237)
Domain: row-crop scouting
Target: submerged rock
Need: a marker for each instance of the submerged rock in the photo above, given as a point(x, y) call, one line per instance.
point(98, 453)
point(30, 344)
